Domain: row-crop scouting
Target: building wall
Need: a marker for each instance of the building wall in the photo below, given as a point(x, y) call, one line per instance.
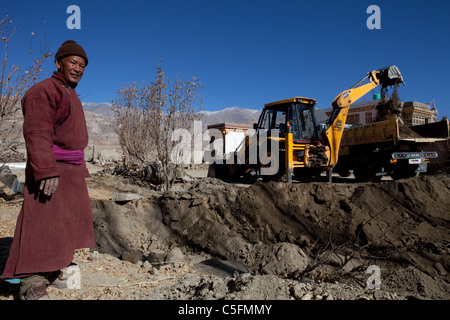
point(413, 113)
point(416, 113)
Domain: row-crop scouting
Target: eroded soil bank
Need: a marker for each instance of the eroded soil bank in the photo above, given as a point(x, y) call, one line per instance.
point(304, 231)
point(211, 239)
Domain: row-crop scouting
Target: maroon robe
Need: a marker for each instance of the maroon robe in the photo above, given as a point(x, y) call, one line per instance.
point(50, 229)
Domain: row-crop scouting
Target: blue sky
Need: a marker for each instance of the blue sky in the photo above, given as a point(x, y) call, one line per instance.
point(246, 53)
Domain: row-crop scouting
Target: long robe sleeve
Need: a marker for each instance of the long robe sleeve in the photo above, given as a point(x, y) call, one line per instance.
point(38, 130)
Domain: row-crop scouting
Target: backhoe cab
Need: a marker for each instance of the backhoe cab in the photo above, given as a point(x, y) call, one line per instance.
point(288, 140)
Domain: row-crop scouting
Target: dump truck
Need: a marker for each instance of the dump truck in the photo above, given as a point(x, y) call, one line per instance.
point(389, 148)
point(287, 141)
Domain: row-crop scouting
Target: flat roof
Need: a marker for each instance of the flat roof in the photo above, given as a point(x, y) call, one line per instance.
point(228, 125)
point(291, 100)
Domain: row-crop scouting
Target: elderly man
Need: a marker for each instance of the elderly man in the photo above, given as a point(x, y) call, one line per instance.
point(56, 217)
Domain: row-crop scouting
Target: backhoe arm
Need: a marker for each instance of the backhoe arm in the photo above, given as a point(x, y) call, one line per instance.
point(332, 134)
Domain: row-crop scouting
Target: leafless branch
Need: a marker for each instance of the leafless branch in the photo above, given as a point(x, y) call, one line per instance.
point(147, 115)
point(14, 82)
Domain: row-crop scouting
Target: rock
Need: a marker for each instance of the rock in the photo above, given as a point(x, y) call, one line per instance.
point(123, 197)
point(329, 297)
point(332, 258)
point(284, 258)
point(153, 271)
point(175, 255)
point(308, 296)
point(299, 290)
point(94, 256)
point(352, 264)
point(134, 256)
point(439, 268)
point(156, 255)
point(6, 192)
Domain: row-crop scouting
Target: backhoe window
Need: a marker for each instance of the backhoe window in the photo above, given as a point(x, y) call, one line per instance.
point(266, 119)
point(280, 120)
point(303, 123)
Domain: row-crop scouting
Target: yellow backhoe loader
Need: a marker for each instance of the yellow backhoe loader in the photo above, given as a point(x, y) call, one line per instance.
point(287, 140)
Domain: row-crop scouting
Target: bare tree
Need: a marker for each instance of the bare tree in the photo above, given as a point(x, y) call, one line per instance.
point(148, 115)
point(131, 124)
point(14, 82)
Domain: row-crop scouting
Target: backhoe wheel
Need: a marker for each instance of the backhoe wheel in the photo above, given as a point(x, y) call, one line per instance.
point(308, 174)
point(234, 170)
point(364, 170)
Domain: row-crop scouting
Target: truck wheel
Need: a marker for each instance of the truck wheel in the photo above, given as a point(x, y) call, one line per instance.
point(404, 172)
point(343, 167)
point(364, 170)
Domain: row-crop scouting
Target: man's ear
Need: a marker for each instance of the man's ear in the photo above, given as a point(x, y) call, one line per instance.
point(58, 63)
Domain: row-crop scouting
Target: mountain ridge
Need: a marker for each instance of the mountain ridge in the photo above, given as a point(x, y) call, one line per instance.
point(100, 116)
point(105, 108)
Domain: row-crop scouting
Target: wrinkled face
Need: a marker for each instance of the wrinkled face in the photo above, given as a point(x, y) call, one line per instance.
point(72, 67)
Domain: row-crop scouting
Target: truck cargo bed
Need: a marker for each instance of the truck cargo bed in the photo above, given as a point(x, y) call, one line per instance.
point(392, 131)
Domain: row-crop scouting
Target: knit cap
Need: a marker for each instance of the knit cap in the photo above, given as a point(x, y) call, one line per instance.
point(71, 48)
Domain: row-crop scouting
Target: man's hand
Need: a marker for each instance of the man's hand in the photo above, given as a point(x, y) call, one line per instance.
point(49, 185)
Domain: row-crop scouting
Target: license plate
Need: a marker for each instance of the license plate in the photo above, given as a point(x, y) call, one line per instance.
point(415, 161)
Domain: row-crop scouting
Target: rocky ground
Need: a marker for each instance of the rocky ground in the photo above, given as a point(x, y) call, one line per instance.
point(211, 239)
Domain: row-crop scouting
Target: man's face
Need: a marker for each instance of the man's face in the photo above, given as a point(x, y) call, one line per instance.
point(72, 67)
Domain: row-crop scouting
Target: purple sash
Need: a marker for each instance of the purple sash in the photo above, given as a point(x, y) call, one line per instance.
point(68, 156)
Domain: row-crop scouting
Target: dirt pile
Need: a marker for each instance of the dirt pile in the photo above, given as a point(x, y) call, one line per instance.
point(388, 106)
point(293, 230)
point(210, 239)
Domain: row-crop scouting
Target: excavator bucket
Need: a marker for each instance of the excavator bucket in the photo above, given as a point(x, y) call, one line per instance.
point(390, 76)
